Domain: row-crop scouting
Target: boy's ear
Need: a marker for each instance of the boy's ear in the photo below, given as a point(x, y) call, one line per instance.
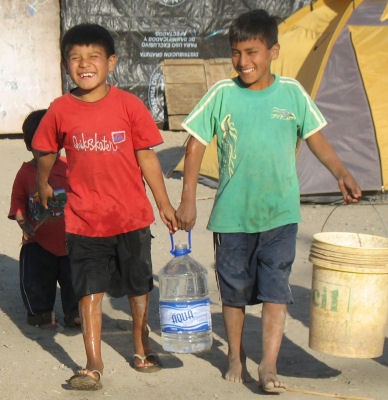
point(275, 51)
point(112, 61)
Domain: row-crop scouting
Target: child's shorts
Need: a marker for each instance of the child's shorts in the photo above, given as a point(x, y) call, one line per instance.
point(253, 268)
point(119, 265)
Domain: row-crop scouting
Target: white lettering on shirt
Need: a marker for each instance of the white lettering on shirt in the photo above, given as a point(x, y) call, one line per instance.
point(96, 143)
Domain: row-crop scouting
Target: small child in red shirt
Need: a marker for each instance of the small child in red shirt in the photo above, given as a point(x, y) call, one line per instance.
point(43, 257)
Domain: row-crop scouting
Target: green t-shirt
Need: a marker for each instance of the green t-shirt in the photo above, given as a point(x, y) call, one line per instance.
point(257, 132)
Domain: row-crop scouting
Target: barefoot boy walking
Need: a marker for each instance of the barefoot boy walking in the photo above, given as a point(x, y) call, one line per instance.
point(257, 118)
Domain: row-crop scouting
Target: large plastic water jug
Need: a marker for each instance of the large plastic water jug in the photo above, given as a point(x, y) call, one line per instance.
point(184, 304)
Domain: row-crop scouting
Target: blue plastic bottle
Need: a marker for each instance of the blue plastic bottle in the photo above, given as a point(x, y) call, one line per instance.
point(184, 304)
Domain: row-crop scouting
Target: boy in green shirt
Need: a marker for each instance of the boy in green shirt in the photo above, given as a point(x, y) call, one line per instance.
point(258, 118)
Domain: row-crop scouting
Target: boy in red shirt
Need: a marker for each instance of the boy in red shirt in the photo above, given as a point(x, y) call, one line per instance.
point(43, 256)
point(108, 135)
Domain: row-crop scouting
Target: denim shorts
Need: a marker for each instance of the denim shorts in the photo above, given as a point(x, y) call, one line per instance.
point(253, 268)
point(118, 265)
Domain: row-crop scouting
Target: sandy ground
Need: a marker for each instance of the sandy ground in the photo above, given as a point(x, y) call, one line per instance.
point(34, 364)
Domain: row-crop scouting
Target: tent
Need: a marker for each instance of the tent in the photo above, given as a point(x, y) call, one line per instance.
point(338, 50)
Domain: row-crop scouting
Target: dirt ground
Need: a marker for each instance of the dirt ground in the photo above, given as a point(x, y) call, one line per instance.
point(34, 364)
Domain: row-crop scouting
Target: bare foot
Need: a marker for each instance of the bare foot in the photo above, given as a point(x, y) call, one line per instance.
point(269, 382)
point(237, 371)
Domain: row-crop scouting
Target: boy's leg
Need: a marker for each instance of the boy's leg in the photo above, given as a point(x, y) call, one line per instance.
point(236, 278)
point(144, 360)
point(133, 262)
point(69, 301)
point(273, 321)
point(276, 255)
point(139, 310)
point(234, 324)
point(90, 273)
point(90, 310)
point(37, 274)
point(91, 320)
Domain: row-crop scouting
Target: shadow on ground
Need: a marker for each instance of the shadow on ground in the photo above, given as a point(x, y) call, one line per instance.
point(11, 305)
point(294, 361)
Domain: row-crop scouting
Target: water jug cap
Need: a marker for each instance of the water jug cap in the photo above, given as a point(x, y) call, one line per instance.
point(180, 249)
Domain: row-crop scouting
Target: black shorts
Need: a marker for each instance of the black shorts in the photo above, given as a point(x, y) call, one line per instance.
point(255, 267)
point(119, 265)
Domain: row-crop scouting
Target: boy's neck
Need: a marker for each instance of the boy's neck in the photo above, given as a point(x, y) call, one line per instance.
point(91, 96)
point(257, 86)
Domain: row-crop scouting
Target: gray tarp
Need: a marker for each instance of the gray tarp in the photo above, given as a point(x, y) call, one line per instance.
point(149, 31)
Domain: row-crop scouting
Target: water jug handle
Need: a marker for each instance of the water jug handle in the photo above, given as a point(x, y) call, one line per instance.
point(173, 245)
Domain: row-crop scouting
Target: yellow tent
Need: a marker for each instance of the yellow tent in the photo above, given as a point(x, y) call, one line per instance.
point(338, 50)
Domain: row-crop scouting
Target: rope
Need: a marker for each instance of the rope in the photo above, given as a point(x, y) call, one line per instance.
point(331, 395)
point(369, 203)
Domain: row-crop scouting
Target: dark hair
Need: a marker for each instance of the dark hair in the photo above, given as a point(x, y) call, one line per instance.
point(86, 34)
point(254, 24)
point(30, 126)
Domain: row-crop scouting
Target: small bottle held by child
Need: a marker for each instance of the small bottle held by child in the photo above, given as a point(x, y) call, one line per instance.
point(184, 303)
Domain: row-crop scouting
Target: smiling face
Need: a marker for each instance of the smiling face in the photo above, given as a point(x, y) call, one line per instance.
point(252, 61)
point(88, 67)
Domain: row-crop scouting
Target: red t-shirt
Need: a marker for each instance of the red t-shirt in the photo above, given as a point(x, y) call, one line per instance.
point(107, 195)
point(51, 234)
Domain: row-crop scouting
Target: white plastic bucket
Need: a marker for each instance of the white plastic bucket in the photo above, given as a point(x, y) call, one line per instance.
point(349, 298)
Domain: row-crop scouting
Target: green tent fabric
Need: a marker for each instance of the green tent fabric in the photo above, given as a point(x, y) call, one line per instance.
point(338, 50)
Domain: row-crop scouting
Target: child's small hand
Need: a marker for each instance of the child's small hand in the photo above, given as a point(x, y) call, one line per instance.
point(350, 190)
point(186, 216)
point(28, 230)
point(167, 214)
point(46, 192)
point(25, 226)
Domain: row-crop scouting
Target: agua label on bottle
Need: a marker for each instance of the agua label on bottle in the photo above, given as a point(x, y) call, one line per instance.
point(185, 317)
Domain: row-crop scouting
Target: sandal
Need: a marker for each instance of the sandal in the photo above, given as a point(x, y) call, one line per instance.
point(151, 359)
point(84, 380)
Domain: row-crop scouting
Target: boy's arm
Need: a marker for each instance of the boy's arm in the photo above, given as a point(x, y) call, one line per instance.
point(152, 172)
point(19, 201)
point(45, 164)
point(187, 212)
point(326, 154)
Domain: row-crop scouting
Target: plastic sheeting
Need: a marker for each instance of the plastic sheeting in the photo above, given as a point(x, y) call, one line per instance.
point(149, 31)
